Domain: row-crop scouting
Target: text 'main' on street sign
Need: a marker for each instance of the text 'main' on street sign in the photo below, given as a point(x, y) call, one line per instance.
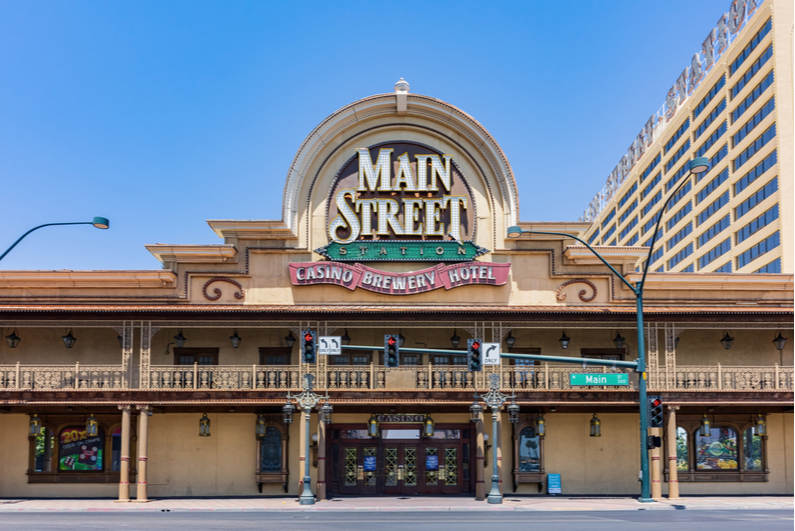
point(613, 378)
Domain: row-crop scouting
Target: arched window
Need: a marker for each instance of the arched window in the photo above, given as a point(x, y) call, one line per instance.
point(271, 451)
point(718, 450)
point(45, 444)
point(681, 449)
point(77, 451)
point(529, 450)
point(752, 450)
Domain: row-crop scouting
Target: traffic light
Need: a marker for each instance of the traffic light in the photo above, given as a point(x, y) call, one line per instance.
point(475, 355)
point(391, 350)
point(655, 412)
point(308, 347)
point(653, 441)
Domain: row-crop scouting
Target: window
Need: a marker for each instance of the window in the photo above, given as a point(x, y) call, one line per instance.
point(594, 235)
point(77, 451)
point(731, 452)
point(609, 217)
point(713, 162)
point(654, 182)
point(718, 450)
point(752, 71)
point(680, 194)
point(201, 356)
point(759, 143)
point(650, 167)
point(529, 450)
point(705, 214)
point(677, 136)
point(349, 358)
point(758, 223)
point(676, 156)
point(628, 228)
point(725, 268)
point(275, 355)
point(616, 354)
point(271, 450)
point(758, 250)
point(760, 195)
point(450, 360)
point(754, 174)
point(712, 185)
point(679, 216)
point(682, 462)
point(772, 267)
point(753, 450)
point(752, 122)
point(650, 224)
point(630, 209)
point(688, 269)
point(676, 238)
point(681, 172)
point(711, 94)
point(271, 465)
point(714, 230)
point(632, 190)
point(710, 118)
point(750, 47)
point(653, 201)
point(45, 449)
point(713, 254)
point(647, 243)
point(115, 450)
point(681, 255)
point(609, 233)
point(752, 97)
point(632, 241)
point(711, 139)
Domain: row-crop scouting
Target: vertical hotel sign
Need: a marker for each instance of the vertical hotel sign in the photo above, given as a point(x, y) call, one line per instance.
point(715, 44)
point(400, 202)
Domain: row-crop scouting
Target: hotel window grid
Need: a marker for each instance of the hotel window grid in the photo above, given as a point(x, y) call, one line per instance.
point(632, 241)
point(758, 250)
point(754, 121)
point(752, 97)
point(677, 136)
point(679, 216)
point(630, 209)
point(713, 254)
point(628, 228)
point(632, 189)
point(725, 268)
point(712, 185)
point(772, 267)
point(756, 172)
point(760, 195)
point(676, 156)
point(650, 224)
point(593, 236)
point(761, 34)
point(757, 224)
point(654, 182)
point(609, 233)
point(609, 218)
point(657, 255)
point(653, 201)
point(758, 144)
point(710, 118)
point(751, 72)
point(705, 214)
point(650, 167)
point(681, 255)
point(679, 236)
point(678, 175)
point(710, 141)
point(711, 94)
point(714, 230)
point(647, 243)
point(714, 161)
point(680, 194)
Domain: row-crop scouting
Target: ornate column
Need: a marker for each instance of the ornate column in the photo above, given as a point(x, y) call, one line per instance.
point(126, 333)
point(480, 463)
point(143, 445)
point(656, 485)
point(147, 332)
point(673, 479)
point(321, 460)
point(653, 357)
point(124, 459)
point(671, 333)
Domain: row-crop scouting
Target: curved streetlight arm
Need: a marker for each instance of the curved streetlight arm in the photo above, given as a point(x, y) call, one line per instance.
point(94, 222)
point(599, 256)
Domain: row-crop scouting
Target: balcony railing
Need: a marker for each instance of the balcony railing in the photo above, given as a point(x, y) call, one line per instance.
point(542, 377)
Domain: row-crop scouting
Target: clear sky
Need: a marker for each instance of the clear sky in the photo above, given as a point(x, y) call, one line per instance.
point(160, 115)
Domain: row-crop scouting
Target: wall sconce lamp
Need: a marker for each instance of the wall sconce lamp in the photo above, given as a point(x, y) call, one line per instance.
point(92, 426)
point(204, 426)
point(455, 340)
point(596, 426)
point(513, 412)
point(564, 340)
point(179, 339)
point(780, 341)
point(476, 409)
point(346, 339)
point(760, 426)
point(372, 426)
point(13, 339)
point(287, 412)
point(619, 341)
point(704, 429)
point(510, 340)
point(69, 340)
point(427, 427)
point(235, 339)
point(259, 428)
point(326, 412)
point(727, 341)
point(290, 339)
point(35, 426)
point(541, 426)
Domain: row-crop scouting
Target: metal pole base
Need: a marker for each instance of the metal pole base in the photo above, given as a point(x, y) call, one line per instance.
point(646, 500)
point(306, 498)
point(495, 496)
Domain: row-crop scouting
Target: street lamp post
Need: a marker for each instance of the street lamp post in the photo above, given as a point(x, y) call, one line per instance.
point(494, 399)
point(98, 222)
point(307, 400)
point(697, 166)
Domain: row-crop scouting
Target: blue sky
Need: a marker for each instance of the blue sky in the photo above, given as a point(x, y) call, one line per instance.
point(160, 115)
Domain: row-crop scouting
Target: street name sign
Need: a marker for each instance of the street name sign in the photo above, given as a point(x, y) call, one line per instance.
point(614, 378)
point(329, 345)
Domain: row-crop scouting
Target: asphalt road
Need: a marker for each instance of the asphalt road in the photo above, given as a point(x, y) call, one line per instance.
point(730, 520)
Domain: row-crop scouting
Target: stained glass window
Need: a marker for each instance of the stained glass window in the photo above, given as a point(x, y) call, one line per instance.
point(271, 450)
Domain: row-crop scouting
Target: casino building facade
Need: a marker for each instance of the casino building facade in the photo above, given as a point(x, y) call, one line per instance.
point(173, 382)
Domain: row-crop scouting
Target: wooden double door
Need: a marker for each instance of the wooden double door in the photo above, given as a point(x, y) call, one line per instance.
point(400, 467)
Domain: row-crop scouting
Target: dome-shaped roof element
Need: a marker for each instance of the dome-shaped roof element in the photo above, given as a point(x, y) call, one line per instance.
point(402, 86)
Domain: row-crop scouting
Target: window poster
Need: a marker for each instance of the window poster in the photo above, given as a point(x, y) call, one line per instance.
point(718, 450)
point(431, 462)
point(78, 451)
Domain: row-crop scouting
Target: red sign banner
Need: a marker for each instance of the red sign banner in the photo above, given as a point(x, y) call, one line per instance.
point(357, 275)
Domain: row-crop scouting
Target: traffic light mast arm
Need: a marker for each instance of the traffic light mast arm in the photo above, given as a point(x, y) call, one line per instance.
point(578, 361)
point(407, 349)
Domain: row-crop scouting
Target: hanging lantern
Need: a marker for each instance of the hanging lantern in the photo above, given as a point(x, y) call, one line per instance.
point(204, 426)
point(35, 425)
point(619, 340)
point(92, 426)
point(727, 341)
point(179, 339)
point(760, 426)
point(235, 339)
point(427, 428)
point(596, 426)
point(372, 426)
point(455, 340)
point(513, 412)
point(346, 339)
point(290, 339)
point(476, 409)
point(704, 430)
point(287, 412)
point(541, 427)
point(69, 340)
point(13, 339)
point(401, 337)
point(326, 411)
point(564, 340)
point(510, 340)
point(780, 341)
point(259, 429)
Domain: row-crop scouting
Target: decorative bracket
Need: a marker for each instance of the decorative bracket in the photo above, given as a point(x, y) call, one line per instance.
point(239, 295)
point(560, 296)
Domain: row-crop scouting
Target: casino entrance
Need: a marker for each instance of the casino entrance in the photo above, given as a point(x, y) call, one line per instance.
point(400, 461)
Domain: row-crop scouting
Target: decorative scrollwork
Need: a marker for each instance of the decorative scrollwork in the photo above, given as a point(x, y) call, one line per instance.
point(560, 296)
point(238, 294)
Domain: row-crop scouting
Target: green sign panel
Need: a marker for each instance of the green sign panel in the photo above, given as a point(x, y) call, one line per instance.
point(612, 378)
point(402, 251)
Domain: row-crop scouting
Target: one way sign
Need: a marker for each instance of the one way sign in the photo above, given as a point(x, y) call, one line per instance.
point(491, 353)
point(329, 345)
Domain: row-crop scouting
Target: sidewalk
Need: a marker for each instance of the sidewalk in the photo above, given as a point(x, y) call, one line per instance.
point(378, 504)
